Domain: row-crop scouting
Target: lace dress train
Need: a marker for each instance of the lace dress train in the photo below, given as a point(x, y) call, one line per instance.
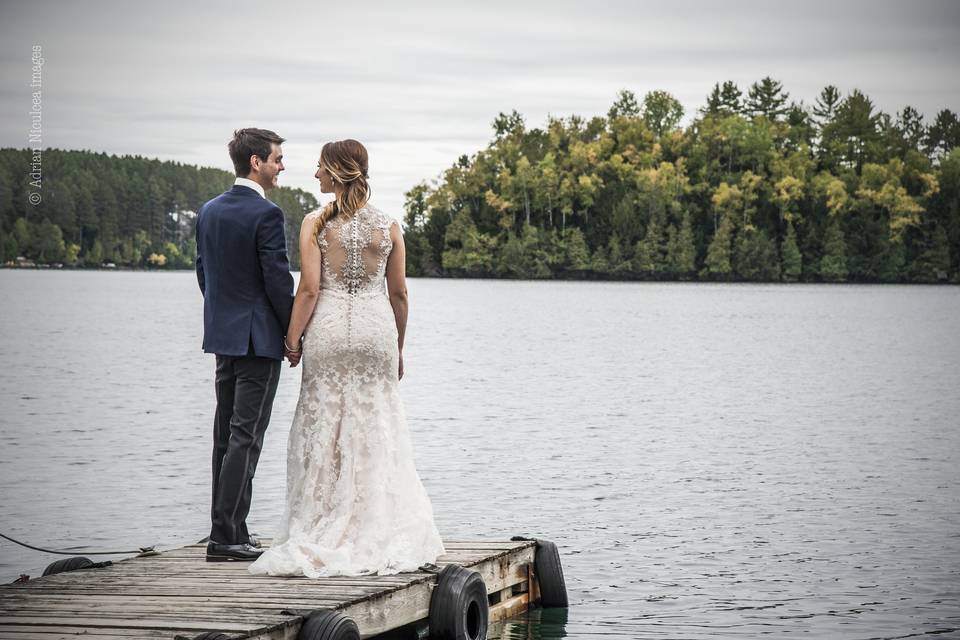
point(355, 502)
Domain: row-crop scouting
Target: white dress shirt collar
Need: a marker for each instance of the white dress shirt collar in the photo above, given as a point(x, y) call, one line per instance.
point(246, 182)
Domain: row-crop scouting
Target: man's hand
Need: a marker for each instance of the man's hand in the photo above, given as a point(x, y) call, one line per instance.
point(290, 354)
point(293, 357)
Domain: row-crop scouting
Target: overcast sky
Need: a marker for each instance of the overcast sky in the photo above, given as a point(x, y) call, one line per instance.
point(419, 83)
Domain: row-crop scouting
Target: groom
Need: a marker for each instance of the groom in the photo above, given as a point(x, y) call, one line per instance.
point(244, 275)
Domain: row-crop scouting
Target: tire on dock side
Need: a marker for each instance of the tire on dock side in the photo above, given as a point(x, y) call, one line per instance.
point(458, 606)
point(67, 564)
point(553, 588)
point(324, 624)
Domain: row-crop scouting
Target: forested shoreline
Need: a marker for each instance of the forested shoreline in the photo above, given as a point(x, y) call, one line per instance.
point(755, 188)
point(125, 211)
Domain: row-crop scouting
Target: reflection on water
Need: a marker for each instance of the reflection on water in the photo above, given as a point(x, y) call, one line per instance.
point(712, 461)
point(538, 624)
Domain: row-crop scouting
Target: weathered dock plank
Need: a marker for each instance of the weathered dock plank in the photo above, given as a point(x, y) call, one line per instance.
point(178, 593)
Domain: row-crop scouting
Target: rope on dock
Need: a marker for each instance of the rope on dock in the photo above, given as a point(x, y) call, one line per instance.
point(142, 551)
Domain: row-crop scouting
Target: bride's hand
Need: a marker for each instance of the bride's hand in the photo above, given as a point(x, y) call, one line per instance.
point(400, 375)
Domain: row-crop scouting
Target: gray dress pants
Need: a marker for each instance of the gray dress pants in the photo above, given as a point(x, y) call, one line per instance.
point(246, 386)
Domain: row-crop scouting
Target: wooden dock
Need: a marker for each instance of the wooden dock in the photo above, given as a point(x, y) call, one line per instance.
point(177, 594)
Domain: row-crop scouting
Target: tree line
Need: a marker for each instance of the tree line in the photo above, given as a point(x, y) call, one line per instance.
point(756, 188)
point(128, 211)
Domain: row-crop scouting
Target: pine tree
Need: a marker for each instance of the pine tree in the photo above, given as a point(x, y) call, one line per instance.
point(911, 128)
point(943, 135)
point(713, 105)
point(767, 98)
point(615, 256)
point(681, 250)
point(94, 256)
point(730, 98)
point(791, 256)
point(649, 255)
point(858, 126)
point(755, 257)
point(825, 108)
point(598, 261)
point(717, 265)
point(833, 265)
point(49, 243)
point(467, 250)
point(933, 265)
point(576, 253)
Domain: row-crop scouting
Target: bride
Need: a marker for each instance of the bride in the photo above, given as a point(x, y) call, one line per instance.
point(355, 503)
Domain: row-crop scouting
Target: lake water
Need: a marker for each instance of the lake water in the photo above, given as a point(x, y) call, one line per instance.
point(713, 460)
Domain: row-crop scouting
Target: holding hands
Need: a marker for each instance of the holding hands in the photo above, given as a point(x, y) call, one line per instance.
point(293, 355)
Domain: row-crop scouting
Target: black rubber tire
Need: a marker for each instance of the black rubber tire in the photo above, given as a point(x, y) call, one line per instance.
point(67, 564)
point(458, 607)
point(553, 588)
point(212, 635)
point(328, 625)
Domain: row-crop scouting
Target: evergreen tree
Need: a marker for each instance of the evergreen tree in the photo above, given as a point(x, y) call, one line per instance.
point(650, 253)
point(48, 243)
point(801, 127)
point(617, 262)
point(717, 265)
point(467, 250)
point(943, 135)
point(94, 257)
point(23, 235)
point(933, 265)
point(833, 265)
point(911, 129)
point(681, 249)
point(713, 105)
point(858, 125)
point(825, 109)
point(792, 260)
point(576, 254)
point(767, 98)
point(599, 263)
point(730, 99)
point(831, 144)
point(755, 257)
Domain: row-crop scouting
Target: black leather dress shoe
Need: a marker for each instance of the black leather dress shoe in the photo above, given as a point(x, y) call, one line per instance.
point(231, 552)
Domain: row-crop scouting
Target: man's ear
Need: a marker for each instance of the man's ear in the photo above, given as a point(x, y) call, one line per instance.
point(255, 163)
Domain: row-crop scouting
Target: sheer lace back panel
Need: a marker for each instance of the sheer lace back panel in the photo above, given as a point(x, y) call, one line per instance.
point(355, 251)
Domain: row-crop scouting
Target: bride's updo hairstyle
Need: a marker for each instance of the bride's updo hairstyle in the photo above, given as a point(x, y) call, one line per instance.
point(346, 162)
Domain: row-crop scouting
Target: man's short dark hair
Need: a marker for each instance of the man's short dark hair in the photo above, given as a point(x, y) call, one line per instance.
point(250, 142)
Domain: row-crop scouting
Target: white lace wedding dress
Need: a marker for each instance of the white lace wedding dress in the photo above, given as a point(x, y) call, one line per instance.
point(355, 503)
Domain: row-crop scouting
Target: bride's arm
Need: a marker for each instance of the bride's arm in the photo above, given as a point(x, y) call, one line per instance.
point(397, 286)
point(309, 288)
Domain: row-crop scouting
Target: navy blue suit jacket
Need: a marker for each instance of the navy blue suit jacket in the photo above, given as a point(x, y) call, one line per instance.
point(244, 275)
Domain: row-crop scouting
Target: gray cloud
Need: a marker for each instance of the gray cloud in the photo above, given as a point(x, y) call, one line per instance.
point(419, 82)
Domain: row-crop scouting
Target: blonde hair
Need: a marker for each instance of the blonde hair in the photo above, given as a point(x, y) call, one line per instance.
point(346, 162)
